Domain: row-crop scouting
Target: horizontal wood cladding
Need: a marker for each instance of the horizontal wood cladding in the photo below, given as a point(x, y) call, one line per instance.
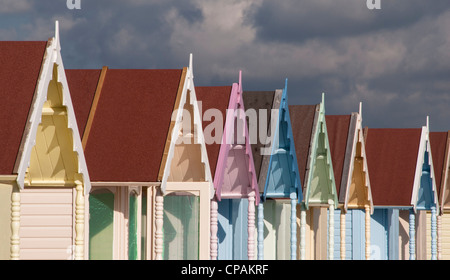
point(46, 225)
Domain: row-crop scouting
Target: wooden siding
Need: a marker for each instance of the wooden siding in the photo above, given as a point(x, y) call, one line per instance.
point(444, 236)
point(232, 229)
point(46, 225)
point(277, 232)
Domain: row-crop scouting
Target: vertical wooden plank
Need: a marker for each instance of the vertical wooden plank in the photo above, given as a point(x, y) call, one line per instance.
point(302, 233)
point(269, 234)
point(225, 230)
point(393, 225)
point(342, 235)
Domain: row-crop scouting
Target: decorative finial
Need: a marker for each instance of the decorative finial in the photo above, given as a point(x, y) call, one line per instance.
point(240, 80)
point(191, 64)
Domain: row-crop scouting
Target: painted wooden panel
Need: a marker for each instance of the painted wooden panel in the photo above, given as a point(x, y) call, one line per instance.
point(46, 234)
point(279, 184)
point(181, 227)
point(236, 176)
point(379, 235)
point(232, 229)
point(358, 194)
point(444, 236)
point(186, 165)
point(349, 242)
point(277, 229)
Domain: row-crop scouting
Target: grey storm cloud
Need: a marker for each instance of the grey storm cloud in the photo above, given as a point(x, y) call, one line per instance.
point(395, 60)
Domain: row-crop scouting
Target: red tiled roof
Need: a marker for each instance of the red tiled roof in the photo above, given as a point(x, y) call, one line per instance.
point(130, 126)
point(82, 85)
point(302, 121)
point(438, 143)
point(20, 66)
point(391, 161)
point(337, 127)
point(214, 97)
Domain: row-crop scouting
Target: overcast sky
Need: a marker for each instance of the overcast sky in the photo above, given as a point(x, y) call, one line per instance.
point(395, 60)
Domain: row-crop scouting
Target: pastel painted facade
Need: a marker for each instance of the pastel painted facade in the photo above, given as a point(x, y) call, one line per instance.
point(352, 219)
point(147, 165)
point(399, 218)
point(236, 190)
point(278, 175)
point(44, 178)
point(317, 179)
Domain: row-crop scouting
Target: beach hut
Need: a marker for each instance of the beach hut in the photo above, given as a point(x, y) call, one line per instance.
point(352, 219)
point(44, 178)
point(403, 188)
point(236, 189)
point(152, 186)
point(277, 171)
point(317, 179)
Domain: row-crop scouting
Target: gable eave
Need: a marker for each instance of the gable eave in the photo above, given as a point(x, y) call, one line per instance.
point(424, 147)
point(236, 103)
point(320, 119)
point(292, 154)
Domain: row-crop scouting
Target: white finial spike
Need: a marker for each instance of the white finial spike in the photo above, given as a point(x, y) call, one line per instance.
point(191, 65)
point(240, 80)
point(57, 32)
point(428, 122)
point(360, 108)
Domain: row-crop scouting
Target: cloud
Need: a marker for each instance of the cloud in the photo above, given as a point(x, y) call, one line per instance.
point(395, 60)
point(15, 6)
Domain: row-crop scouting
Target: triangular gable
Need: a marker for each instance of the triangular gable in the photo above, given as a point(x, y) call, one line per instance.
point(283, 156)
point(235, 159)
point(346, 138)
point(392, 161)
point(176, 130)
point(425, 194)
point(440, 142)
point(52, 75)
point(318, 184)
